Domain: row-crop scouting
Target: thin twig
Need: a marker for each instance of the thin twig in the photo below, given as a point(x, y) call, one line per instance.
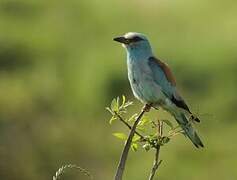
point(160, 128)
point(157, 163)
point(123, 158)
point(130, 127)
point(143, 139)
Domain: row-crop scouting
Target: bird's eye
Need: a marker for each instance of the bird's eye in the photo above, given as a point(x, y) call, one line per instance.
point(136, 39)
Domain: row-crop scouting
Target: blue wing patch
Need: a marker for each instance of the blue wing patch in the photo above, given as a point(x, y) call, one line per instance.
point(160, 77)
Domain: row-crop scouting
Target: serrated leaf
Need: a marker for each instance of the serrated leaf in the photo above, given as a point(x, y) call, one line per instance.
point(167, 122)
point(113, 118)
point(134, 147)
point(121, 136)
point(113, 105)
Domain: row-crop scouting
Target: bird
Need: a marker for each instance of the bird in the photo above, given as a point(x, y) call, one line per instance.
point(152, 82)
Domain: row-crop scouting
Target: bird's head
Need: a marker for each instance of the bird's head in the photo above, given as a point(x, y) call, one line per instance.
point(134, 41)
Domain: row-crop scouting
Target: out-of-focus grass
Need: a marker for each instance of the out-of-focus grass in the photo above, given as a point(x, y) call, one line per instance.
point(59, 68)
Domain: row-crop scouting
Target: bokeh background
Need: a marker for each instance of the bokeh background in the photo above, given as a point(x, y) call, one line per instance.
point(59, 69)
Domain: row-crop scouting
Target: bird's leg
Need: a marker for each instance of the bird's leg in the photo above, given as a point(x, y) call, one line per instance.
point(147, 107)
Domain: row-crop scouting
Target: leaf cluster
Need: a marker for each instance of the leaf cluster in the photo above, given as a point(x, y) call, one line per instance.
point(118, 107)
point(147, 134)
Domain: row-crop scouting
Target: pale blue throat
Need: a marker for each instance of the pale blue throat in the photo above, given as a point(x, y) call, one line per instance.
point(139, 51)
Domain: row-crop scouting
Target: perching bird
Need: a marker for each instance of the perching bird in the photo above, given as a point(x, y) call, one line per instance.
point(153, 83)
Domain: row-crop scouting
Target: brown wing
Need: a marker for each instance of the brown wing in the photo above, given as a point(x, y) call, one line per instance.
point(168, 73)
point(176, 98)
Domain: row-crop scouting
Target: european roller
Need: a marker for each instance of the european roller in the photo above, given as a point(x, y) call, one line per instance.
point(153, 83)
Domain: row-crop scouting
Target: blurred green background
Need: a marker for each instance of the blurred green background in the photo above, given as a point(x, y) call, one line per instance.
point(59, 68)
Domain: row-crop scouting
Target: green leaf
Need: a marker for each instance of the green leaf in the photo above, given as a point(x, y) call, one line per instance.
point(121, 136)
point(141, 128)
point(117, 100)
point(135, 138)
point(123, 100)
point(144, 121)
point(108, 109)
point(129, 103)
point(132, 118)
point(114, 106)
point(167, 122)
point(134, 147)
point(113, 118)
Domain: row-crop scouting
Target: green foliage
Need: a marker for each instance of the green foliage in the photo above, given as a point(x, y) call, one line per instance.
point(118, 108)
point(150, 137)
point(136, 138)
point(121, 136)
point(134, 147)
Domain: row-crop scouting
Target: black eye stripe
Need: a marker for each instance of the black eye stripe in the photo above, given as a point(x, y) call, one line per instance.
point(135, 39)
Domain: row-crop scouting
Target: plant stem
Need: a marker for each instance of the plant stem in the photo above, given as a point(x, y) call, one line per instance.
point(130, 127)
point(157, 163)
point(123, 158)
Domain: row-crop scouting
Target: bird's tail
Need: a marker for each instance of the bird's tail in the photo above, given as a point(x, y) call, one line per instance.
point(188, 129)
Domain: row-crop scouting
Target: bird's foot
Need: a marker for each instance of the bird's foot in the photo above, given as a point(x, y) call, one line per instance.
point(147, 107)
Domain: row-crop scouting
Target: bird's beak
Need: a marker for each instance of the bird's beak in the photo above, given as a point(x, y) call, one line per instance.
point(121, 39)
